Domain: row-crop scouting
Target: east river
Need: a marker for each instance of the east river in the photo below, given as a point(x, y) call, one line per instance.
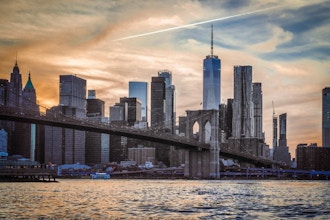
point(165, 199)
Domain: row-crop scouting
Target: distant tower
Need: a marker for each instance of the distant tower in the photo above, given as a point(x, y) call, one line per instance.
point(283, 140)
point(257, 104)
point(326, 117)
point(281, 152)
point(29, 95)
point(169, 100)
point(211, 80)
point(274, 128)
point(15, 88)
point(243, 105)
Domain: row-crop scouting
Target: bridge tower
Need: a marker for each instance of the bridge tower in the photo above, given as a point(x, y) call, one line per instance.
point(198, 163)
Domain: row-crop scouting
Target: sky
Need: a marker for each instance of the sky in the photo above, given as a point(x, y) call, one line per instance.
point(110, 43)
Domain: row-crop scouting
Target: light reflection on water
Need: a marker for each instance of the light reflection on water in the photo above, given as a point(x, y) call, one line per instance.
point(166, 199)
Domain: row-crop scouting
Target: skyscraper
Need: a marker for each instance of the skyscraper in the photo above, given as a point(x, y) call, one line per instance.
point(257, 105)
point(283, 140)
point(326, 117)
point(211, 80)
point(97, 144)
point(140, 91)
point(64, 145)
point(243, 105)
point(169, 100)
point(15, 88)
point(281, 152)
point(157, 101)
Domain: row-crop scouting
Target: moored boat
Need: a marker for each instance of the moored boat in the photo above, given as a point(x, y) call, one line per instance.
point(100, 176)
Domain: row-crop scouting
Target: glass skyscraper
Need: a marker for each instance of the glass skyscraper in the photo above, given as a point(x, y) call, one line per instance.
point(326, 117)
point(140, 90)
point(169, 99)
point(211, 80)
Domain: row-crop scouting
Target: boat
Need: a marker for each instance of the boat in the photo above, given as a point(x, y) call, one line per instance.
point(104, 176)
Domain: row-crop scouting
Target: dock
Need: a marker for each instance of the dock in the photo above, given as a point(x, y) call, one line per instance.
point(27, 175)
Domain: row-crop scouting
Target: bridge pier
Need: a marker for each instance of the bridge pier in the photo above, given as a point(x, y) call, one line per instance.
point(198, 163)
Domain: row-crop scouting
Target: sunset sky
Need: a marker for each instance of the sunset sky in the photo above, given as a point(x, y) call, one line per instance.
point(110, 43)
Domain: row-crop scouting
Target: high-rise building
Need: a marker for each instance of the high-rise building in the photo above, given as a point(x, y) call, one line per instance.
point(257, 105)
point(95, 107)
point(282, 140)
point(326, 117)
point(169, 100)
point(97, 144)
point(158, 101)
point(15, 88)
point(64, 145)
point(281, 152)
point(73, 94)
point(140, 91)
point(243, 119)
point(211, 80)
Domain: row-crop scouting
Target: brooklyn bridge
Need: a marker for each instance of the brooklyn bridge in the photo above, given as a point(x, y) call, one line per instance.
point(202, 158)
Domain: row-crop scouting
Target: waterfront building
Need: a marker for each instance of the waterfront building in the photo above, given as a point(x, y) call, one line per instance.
point(211, 80)
point(326, 117)
point(243, 119)
point(97, 144)
point(3, 143)
point(312, 157)
point(169, 100)
point(281, 152)
point(158, 102)
point(141, 154)
point(63, 145)
point(140, 91)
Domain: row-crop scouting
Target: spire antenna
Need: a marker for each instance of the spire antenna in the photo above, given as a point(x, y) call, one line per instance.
point(16, 58)
point(211, 40)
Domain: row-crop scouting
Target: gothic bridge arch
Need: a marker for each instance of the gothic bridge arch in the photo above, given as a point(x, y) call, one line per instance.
point(203, 164)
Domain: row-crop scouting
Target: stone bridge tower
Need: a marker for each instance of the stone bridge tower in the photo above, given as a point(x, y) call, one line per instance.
point(203, 164)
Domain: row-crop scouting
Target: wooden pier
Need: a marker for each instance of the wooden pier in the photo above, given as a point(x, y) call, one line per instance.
point(28, 175)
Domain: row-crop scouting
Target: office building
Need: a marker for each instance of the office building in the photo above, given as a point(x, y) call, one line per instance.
point(243, 119)
point(64, 145)
point(169, 100)
point(158, 102)
point(95, 107)
point(326, 117)
point(139, 90)
point(97, 144)
point(211, 80)
point(312, 157)
point(141, 155)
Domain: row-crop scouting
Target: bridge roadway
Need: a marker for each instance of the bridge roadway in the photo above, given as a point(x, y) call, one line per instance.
point(59, 120)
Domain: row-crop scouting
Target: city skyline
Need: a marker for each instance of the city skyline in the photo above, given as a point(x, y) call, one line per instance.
point(286, 46)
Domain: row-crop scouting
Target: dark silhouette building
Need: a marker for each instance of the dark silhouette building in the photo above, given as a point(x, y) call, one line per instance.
point(157, 102)
point(311, 157)
point(326, 117)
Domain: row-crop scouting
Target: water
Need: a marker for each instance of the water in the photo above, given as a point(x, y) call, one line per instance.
point(166, 199)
